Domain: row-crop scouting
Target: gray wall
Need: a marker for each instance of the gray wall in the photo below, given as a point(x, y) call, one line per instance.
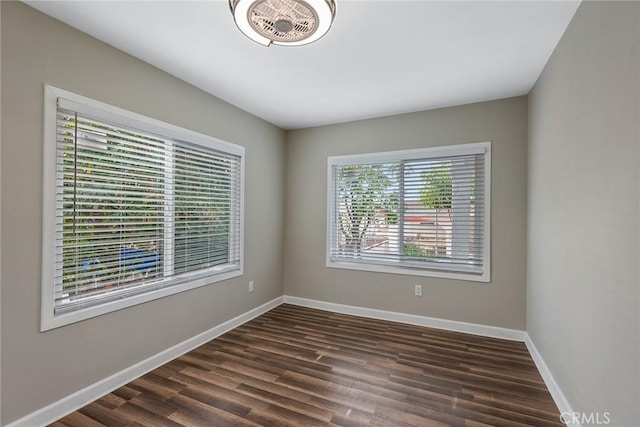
point(40, 368)
point(583, 257)
point(499, 303)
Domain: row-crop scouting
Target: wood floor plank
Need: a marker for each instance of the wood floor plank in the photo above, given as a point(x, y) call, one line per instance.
point(158, 407)
point(297, 367)
point(76, 419)
point(102, 415)
point(133, 411)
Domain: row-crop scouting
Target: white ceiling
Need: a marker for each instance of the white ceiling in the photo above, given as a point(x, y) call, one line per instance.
point(379, 58)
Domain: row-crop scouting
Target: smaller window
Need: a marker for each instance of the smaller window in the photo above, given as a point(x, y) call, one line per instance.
point(134, 209)
point(419, 212)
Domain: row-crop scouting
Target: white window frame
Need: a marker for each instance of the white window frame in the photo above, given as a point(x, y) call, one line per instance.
point(396, 156)
point(50, 320)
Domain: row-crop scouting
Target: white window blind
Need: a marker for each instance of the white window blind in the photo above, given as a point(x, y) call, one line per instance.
point(421, 212)
point(136, 211)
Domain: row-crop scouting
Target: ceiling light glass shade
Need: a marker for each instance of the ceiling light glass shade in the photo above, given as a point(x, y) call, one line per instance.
point(283, 22)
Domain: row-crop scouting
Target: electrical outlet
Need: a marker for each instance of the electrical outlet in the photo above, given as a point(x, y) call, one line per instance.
point(250, 285)
point(418, 290)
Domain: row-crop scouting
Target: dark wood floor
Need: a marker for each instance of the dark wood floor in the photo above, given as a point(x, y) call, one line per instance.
point(296, 366)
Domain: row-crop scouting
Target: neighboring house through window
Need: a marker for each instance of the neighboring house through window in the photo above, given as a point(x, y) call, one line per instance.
point(134, 209)
point(420, 212)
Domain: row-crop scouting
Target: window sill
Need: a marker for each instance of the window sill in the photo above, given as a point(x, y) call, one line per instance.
point(51, 321)
point(390, 269)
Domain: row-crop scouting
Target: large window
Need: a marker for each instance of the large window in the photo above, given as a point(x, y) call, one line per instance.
point(135, 209)
point(421, 212)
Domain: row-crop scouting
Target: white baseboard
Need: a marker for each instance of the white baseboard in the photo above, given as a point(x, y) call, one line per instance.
point(62, 407)
point(412, 319)
point(556, 393)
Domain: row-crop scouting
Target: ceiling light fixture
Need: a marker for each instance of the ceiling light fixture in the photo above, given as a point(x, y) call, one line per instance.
point(283, 22)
